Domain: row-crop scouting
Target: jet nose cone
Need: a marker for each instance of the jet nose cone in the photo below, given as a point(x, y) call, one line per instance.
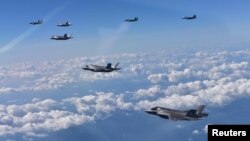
point(205, 114)
point(150, 111)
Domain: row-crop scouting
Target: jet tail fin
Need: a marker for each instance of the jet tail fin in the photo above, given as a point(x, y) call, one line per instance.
point(109, 66)
point(200, 109)
point(67, 36)
point(116, 65)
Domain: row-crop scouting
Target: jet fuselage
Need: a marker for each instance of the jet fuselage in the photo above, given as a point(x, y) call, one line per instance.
point(171, 114)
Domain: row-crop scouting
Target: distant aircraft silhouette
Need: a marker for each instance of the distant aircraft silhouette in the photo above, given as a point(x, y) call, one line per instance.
point(172, 114)
point(97, 68)
point(190, 18)
point(64, 37)
point(132, 20)
point(36, 22)
point(65, 24)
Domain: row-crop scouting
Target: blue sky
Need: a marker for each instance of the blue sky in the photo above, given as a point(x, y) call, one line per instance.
point(165, 61)
point(219, 24)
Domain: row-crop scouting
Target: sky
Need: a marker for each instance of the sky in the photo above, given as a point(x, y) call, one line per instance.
point(99, 28)
point(166, 61)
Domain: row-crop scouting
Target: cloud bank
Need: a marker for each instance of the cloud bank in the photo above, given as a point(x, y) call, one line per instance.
point(159, 79)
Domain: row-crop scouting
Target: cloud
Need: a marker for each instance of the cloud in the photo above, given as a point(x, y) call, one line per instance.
point(205, 129)
point(216, 95)
point(38, 118)
point(100, 103)
point(146, 80)
point(151, 92)
point(196, 132)
point(32, 119)
point(210, 78)
point(156, 78)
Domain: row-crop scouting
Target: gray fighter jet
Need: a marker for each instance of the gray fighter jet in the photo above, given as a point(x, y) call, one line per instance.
point(97, 68)
point(192, 114)
point(64, 24)
point(64, 37)
point(132, 20)
point(36, 22)
point(190, 18)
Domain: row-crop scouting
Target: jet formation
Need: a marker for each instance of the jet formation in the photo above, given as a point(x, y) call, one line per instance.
point(132, 20)
point(64, 37)
point(166, 113)
point(174, 115)
point(190, 17)
point(64, 24)
point(97, 68)
point(36, 22)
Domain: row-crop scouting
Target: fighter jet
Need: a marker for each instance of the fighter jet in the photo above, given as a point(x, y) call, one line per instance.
point(174, 115)
point(132, 20)
point(190, 18)
point(97, 68)
point(64, 37)
point(64, 24)
point(36, 22)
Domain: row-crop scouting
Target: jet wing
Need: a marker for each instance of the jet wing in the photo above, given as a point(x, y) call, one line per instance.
point(163, 113)
point(191, 118)
point(174, 117)
point(96, 67)
point(170, 115)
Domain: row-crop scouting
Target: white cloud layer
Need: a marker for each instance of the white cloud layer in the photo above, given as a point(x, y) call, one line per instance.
point(33, 118)
point(172, 80)
point(48, 115)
